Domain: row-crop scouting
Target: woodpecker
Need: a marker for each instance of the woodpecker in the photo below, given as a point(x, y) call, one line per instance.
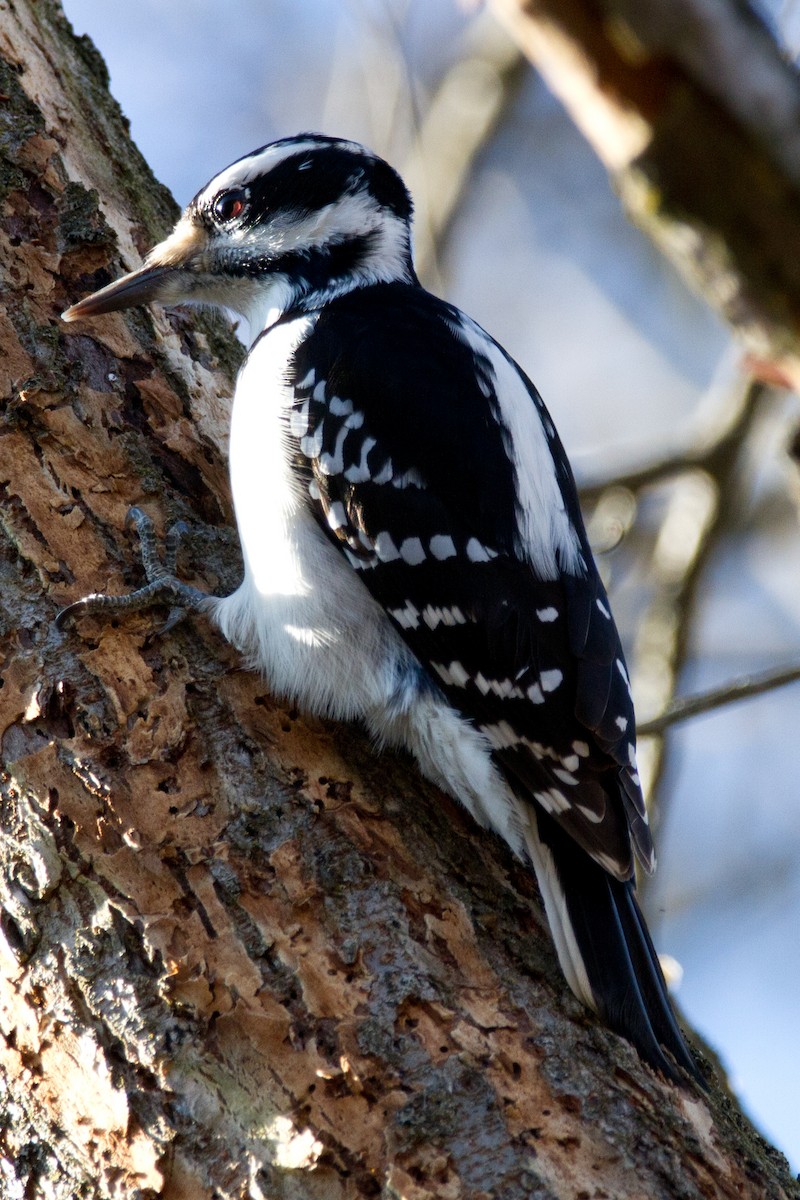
point(414, 552)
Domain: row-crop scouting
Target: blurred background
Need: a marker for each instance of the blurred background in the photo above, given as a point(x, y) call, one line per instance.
point(518, 225)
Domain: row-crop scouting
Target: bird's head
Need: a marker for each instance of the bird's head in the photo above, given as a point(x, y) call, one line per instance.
point(289, 226)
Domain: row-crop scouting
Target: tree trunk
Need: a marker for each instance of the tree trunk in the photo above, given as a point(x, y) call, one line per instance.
point(242, 955)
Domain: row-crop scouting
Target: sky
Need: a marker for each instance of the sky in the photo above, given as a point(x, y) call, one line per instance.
point(626, 359)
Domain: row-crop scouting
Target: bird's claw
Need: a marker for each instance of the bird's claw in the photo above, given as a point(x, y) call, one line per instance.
point(162, 585)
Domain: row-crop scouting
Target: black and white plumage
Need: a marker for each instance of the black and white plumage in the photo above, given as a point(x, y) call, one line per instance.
point(414, 552)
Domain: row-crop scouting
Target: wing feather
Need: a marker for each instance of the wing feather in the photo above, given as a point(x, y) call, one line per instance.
point(430, 524)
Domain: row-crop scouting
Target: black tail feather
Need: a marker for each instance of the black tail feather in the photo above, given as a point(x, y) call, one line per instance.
point(618, 955)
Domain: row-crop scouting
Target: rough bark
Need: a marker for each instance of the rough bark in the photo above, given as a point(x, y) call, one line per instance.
point(695, 111)
point(242, 955)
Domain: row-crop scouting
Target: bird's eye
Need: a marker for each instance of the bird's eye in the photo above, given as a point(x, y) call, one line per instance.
point(229, 205)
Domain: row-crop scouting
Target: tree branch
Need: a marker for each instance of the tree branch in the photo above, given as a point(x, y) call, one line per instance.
point(467, 106)
point(685, 707)
point(703, 153)
point(708, 445)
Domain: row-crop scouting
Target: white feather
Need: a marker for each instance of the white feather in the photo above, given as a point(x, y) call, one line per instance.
point(555, 906)
point(456, 757)
point(547, 537)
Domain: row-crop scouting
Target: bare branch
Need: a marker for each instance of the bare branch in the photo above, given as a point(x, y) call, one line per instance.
point(706, 446)
point(467, 106)
point(685, 707)
point(703, 504)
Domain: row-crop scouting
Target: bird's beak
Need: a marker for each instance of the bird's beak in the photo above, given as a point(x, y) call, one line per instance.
point(167, 276)
point(139, 287)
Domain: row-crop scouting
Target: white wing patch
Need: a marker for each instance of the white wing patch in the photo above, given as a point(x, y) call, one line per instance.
point(477, 552)
point(406, 617)
point(412, 551)
point(433, 616)
point(453, 675)
point(550, 680)
point(385, 547)
point(442, 547)
point(546, 535)
point(553, 801)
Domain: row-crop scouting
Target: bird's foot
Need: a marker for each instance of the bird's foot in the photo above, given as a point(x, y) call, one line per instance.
point(162, 587)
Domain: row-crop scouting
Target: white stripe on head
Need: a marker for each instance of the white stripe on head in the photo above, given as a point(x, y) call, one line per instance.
point(259, 162)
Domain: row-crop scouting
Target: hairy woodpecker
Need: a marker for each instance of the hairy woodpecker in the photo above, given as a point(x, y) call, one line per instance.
point(414, 552)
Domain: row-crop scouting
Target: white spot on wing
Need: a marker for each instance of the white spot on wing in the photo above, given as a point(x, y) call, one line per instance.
point(331, 464)
point(581, 749)
point(385, 473)
point(547, 614)
point(312, 444)
point(336, 515)
point(591, 814)
point(621, 723)
point(408, 617)
point(455, 675)
point(442, 616)
point(385, 547)
point(553, 801)
point(550, 679)
point(477, 552)
point(501, 735)
point(339, 407)
point(459, 675)
point(603, 609)
point(412, 552)
point(504, 689)
point(564, 776)
point(624, 674)
point(535, 694)
point(442, 546)
point(632, 763)
point(360, 473)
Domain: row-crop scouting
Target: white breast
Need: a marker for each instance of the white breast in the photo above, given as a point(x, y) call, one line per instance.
point(301, 614)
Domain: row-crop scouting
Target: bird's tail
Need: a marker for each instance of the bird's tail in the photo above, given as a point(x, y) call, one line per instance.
point(605, 949)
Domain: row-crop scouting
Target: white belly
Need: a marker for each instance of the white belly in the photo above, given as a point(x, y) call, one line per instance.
point(301, 615)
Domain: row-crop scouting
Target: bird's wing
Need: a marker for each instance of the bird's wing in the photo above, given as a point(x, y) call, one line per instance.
point(402, 445)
